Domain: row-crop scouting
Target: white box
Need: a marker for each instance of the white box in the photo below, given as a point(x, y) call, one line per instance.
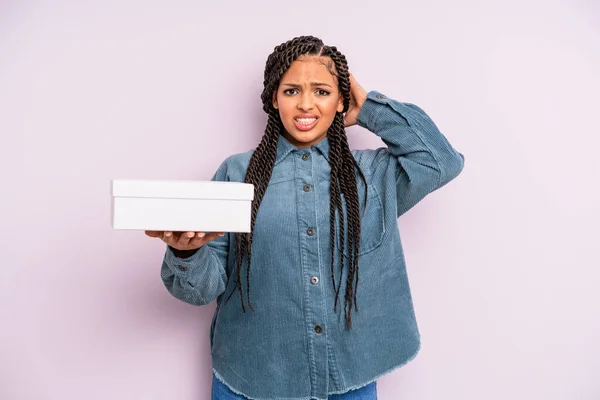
point(194, 206)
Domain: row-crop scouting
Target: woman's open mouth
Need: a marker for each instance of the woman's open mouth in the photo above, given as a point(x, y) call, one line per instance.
point(305, 124)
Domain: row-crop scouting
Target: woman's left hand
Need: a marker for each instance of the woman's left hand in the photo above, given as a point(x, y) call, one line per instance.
point(358, 96)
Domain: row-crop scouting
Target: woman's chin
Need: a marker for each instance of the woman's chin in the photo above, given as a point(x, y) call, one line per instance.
point(304, 138)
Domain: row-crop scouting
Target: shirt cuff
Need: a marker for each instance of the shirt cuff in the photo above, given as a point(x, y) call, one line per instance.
point(190, 268)
point(372, 107)
point(183, 253)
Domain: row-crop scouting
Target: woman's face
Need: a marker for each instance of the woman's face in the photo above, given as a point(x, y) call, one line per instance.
point(307, 99)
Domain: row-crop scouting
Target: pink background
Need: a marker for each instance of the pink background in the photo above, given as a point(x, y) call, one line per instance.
point(504, 274)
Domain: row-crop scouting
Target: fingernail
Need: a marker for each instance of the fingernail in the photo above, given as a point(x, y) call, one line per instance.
point(190, 234)
point(221, 234)
point(201, 234)
point(167, 234)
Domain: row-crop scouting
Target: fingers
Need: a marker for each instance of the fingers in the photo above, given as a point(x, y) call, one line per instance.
point(197, 240)
point(354, 82)
point(169, 238)
point(212, 236)
point(201, 238)
point(184, 238)
point(154, 234)
point(355, 88)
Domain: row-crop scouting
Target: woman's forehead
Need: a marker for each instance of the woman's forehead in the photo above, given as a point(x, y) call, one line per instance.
point(312, 67)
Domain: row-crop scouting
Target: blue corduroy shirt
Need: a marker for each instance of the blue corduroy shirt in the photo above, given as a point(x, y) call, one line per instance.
point(293, 345)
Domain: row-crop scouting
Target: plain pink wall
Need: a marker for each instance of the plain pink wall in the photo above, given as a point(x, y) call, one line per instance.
point(504, 275)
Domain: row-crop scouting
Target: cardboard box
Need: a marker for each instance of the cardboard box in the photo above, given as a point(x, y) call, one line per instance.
point(195, 206)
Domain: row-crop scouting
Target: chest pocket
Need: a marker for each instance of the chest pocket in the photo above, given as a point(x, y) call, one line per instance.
point(279, 175)
point(372, 226)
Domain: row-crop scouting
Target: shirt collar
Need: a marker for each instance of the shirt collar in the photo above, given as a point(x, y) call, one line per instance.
point(284, 148)
point(323, 147)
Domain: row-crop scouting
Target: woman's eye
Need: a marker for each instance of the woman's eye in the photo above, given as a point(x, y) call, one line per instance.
point(323, 92)
point(290, 91)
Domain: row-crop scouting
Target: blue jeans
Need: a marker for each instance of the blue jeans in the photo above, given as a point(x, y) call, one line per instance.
point(220, 391)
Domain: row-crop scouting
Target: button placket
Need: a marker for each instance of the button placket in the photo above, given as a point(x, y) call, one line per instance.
point(306, 185)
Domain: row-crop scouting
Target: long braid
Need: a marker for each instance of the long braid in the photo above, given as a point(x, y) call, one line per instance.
point(356, 231)
point(348, 188)
point(335, 204)
point(265, 166)
point(344, 169)
point(351, 195)
point(258, 173)
point(348, 183)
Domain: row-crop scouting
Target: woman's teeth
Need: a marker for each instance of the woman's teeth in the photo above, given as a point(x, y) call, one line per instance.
point(306, 121)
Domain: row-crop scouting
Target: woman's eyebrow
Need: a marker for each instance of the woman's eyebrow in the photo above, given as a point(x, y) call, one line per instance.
point(295, 85)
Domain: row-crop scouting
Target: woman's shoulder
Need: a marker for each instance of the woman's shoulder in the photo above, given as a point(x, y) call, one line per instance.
point(234, 167)
point(369, 159)
point(239, 160)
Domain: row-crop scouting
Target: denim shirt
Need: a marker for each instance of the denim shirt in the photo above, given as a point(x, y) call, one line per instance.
point(293, 345)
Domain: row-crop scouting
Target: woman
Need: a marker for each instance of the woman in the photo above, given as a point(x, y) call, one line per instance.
point(322, 213)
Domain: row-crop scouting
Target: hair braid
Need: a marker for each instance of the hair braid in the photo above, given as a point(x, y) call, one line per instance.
point(335, 204)
point(344, 169)
point(355, 209)
point(348, 185)
point(348, 189)
point(258, 173)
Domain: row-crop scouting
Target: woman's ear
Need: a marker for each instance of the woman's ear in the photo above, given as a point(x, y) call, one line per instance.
point(275, 104)
point(340, 106)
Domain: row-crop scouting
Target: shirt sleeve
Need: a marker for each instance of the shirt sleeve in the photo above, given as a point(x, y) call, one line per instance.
point(198, 276)
point(183, 253)
point(422, 158)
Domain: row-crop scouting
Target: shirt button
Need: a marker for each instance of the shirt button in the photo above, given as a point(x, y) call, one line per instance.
point(183, 268)
point(318, 329)
point(314, 280)
point(380, 96)
point(310, 232)
point(305, 156)
point(307, 188)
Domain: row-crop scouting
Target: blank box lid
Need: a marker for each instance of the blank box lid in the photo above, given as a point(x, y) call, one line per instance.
point(182, 189)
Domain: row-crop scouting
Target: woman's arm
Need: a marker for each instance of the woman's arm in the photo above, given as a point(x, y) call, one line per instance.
point(421, 155)
point(198, 276)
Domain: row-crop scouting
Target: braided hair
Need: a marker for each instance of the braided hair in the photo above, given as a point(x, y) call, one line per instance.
point(344, 169)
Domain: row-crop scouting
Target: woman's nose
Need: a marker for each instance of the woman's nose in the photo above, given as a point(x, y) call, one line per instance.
point(305, 102)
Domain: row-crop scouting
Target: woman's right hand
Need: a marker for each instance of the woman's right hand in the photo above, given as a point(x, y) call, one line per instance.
point(184, 240)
